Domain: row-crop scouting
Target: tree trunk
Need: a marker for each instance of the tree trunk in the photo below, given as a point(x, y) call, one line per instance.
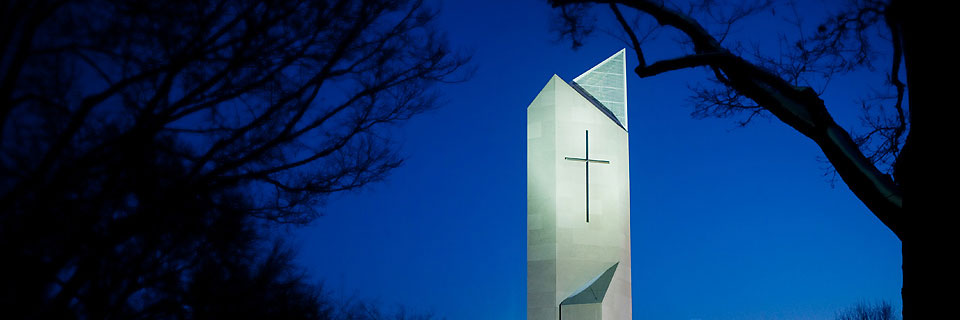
point(927, 290)
point(929, 272)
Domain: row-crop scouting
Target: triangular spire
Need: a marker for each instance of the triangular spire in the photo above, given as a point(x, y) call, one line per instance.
point(607, 83)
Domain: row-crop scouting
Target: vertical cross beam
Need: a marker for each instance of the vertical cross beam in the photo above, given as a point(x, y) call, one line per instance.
point(586, 160)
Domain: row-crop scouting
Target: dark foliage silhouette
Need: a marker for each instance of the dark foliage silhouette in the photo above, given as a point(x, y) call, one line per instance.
point(865, 311)
point(901, 136)
point(146, 144)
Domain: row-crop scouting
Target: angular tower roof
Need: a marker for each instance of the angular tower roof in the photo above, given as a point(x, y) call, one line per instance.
point(607, 84)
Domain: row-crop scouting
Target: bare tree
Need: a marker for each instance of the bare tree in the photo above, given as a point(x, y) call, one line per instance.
point(141, 139)
point(753, 85)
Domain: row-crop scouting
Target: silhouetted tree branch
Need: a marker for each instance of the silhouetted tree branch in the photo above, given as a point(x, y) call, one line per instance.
point(144, 142)
point(781, 85)
point(799, 107)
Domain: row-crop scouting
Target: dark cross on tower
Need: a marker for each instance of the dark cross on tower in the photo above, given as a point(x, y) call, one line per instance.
point(586, 161)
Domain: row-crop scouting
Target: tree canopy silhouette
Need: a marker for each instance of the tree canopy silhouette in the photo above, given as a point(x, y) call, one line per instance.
point(145, 143)
point(901, 132)
point(867, 311)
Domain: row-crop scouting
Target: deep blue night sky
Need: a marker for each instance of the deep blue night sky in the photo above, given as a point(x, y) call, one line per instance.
point(727, 222)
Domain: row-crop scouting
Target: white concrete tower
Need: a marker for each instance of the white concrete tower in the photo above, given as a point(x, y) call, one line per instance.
point(578, 197)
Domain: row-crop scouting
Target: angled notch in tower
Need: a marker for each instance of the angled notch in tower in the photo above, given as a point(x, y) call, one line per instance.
point(594, 290)
point(607, 83)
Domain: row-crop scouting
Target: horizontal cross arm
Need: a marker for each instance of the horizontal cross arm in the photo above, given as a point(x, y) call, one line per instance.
point(587, 160)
